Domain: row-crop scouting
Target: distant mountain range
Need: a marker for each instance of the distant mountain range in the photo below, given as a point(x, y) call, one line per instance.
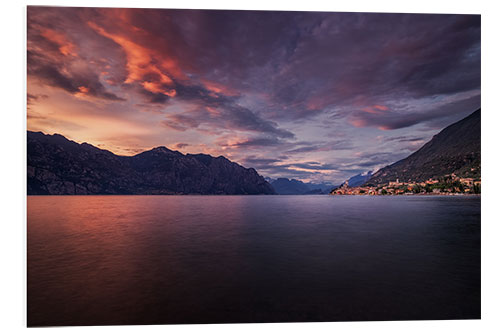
point(359, 179)
point(57, 165)
point(287, 186)
point(456, 149)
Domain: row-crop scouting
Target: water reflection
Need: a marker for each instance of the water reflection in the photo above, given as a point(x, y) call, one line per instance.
point(96, 260)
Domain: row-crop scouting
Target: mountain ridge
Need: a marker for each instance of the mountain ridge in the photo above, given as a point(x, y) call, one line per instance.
point(455, 149)
point(287, 186)
point(57, 165)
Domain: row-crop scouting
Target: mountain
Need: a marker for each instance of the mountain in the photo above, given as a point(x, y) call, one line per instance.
point(320, 188)
point(359, 179)
point(456, 149)
point(287, 186)
point(57, 165)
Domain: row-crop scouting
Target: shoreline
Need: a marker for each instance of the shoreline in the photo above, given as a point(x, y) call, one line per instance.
point(410, 194)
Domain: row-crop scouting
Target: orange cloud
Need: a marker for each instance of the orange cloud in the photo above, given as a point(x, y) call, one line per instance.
point(318, 101)
point(82, 92)
point(218, 88)
point(157, 88)
point(384, 128)
point(213, 111)
point(375, 109)
point(381, 107)
point(145, 66)
point(358, 122)
point(65, 46)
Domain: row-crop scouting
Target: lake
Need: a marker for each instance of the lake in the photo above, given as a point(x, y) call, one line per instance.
point(106, 260)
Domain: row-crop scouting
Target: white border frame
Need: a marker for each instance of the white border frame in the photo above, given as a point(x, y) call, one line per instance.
point(13, 155)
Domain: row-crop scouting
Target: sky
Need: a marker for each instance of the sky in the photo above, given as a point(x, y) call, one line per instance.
point(315, 96)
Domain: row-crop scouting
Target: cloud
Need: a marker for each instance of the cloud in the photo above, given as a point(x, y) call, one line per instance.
point(143, 66)
point(79, 85)
point(369, 161)
point(251, 142)
point(309, 147)
point(64, 46)
point(278, 167)
point(261, 161)
point(181, 122)
point(301, 64)
point(53, 59)
point(181, 145)
point(392, 119)
point(314, 166)
point(32, 98)
point(224, 116)
point(313, 87)
point(404, 139)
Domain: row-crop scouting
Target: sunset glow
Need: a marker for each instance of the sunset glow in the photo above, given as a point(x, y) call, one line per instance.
point(304, 95)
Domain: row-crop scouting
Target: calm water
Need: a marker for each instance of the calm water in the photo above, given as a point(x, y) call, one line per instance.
point(98, 260)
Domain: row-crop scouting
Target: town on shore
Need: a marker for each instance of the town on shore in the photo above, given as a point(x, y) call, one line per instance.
point(447, 185)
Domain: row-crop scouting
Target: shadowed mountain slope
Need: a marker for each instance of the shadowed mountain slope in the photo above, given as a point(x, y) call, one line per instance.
point(57, 165)
point(456, 149)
